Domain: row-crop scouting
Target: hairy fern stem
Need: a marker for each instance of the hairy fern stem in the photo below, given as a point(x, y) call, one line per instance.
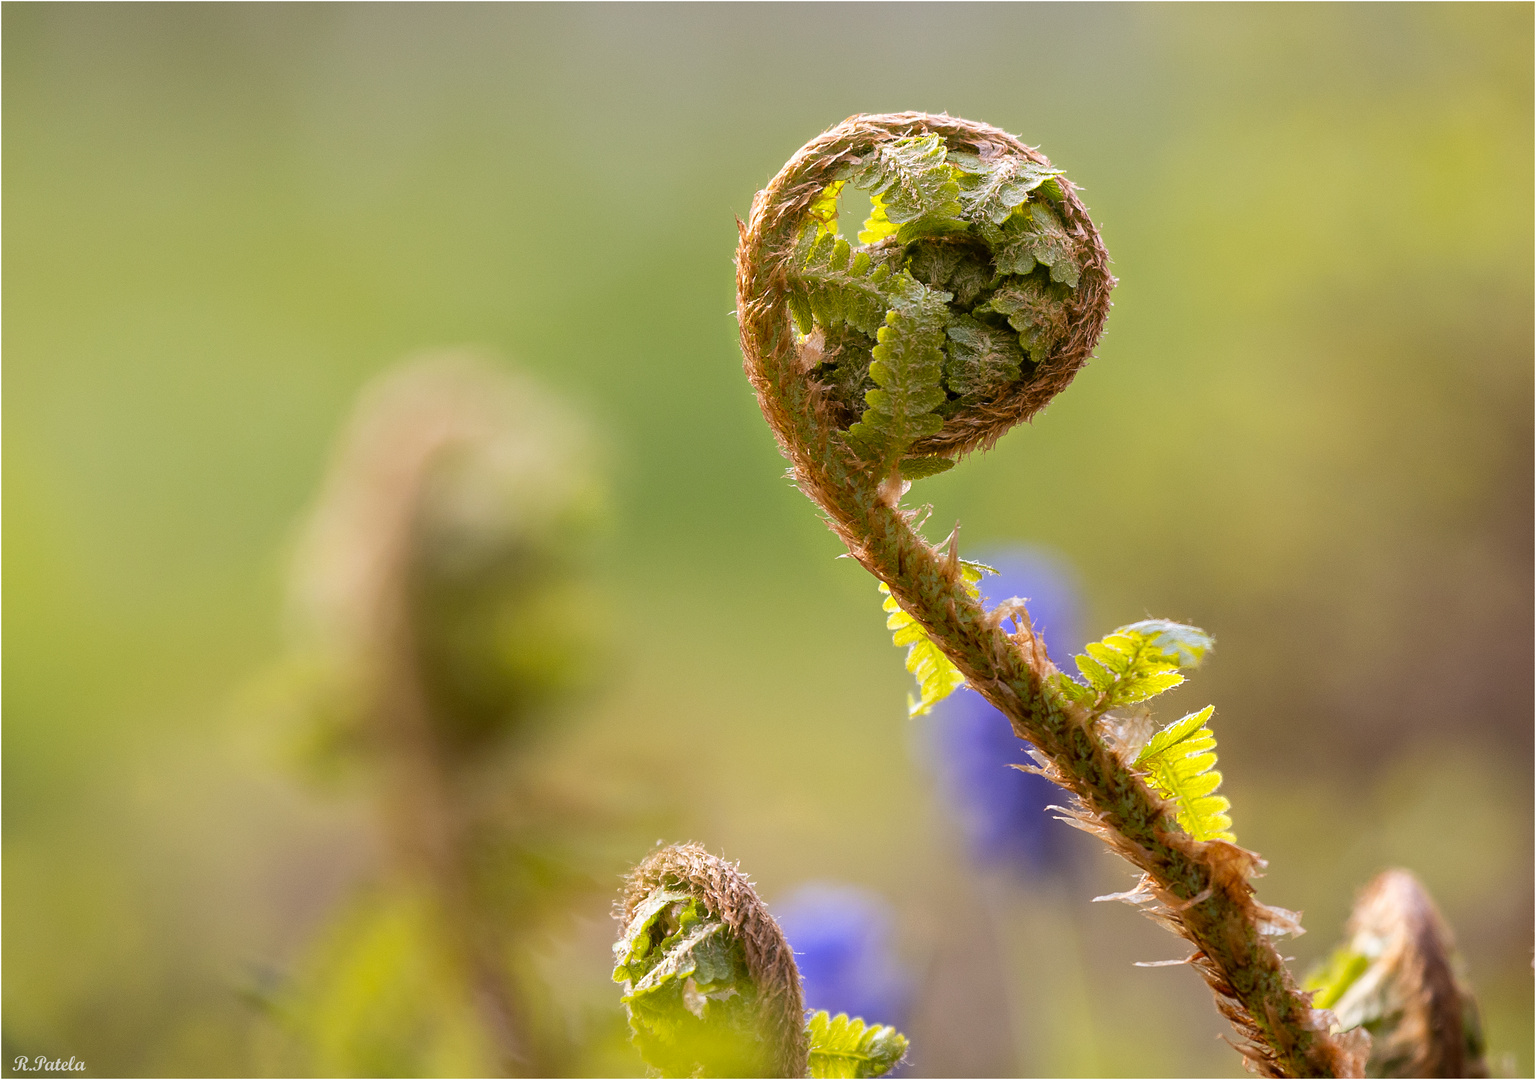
point(1199, 889)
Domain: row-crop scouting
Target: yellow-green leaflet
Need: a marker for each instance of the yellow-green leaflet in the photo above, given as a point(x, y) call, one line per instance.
point(841, 1047)
point(1331, 979)
point(824, 209)
point(937, 678)
point(1179, 763)
point(1135, 663)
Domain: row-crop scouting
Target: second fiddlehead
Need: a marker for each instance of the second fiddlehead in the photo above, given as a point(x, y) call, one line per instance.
point(979, 288)
point(711, 986)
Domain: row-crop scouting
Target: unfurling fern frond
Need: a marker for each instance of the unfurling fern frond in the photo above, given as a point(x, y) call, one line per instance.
point(841, 1047)
point(908, 369)
point(1136, 662)
point(981, 358)
point(991, 190)
point(957, 234)
point(1398, 976)
point(834, 286)
point(1180, 764)
point(710, 984)
point(917, 188)
point(1035, 309)
point(937, 677)
point(689, 1000)
point(1058, 309)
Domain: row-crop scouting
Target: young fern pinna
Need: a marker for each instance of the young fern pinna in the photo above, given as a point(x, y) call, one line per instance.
point(978, 288)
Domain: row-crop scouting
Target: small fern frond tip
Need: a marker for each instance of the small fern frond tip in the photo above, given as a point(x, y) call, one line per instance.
point(844, 1047)
point(1180, 764)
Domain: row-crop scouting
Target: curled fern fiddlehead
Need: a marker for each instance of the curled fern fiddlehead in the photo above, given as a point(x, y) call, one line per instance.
point(1398, 976)
point(978, 289)
point(711, 984)
point(438, 600)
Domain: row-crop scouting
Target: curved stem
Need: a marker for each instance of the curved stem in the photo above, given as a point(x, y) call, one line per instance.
point(1201, 888)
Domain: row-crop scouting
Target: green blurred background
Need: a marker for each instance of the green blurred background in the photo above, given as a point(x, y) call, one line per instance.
point(1309, 430)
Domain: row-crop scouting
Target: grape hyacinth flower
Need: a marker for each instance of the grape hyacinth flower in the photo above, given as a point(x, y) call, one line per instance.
point(1001, 810)
point(842, 937)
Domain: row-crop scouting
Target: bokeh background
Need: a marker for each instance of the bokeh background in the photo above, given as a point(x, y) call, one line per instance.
point(1308, 429)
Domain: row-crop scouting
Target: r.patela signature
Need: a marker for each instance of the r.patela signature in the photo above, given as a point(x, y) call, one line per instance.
point(41, 1063)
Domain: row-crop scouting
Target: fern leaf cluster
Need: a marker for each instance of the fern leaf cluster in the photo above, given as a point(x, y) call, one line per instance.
point(689, 998)
point(907, 366)
point(992, 190)
point(937, 676)
point(1180, 763)
point(917, 188)
point(1138, 662)
point(1135, 663)
point(841, 1047)
point(958, 289)
point(835, 286)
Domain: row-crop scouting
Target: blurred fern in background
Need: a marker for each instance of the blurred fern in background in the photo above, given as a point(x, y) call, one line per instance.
point(443, 613)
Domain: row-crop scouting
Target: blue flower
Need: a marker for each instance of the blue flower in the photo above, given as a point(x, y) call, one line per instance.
point(1000, 809)
point(842, 938)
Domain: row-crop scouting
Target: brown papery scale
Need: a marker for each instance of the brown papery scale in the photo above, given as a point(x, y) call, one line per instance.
point(1029, 262)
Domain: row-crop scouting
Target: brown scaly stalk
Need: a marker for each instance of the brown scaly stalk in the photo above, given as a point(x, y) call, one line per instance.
point(1199, 890)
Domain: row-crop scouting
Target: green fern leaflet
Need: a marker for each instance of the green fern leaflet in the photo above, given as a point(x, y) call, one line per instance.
point(992, 190)
point(908, 370)
point(1180, 763)
point(1329, 981)
point(1135, 663)
point(918, 190)
point(691, 1002)
point(841, 1047)
point(937, 678)
point(834, 286)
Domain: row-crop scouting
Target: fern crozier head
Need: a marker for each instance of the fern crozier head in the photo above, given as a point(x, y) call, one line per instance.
point(975, 291)
point(692, 928)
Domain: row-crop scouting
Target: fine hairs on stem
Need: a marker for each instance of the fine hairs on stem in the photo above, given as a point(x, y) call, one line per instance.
point(975, 236)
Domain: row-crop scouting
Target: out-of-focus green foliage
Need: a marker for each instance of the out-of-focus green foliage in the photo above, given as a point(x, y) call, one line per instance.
point(386, 994)
point(443, 612)
point(1330, 980)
